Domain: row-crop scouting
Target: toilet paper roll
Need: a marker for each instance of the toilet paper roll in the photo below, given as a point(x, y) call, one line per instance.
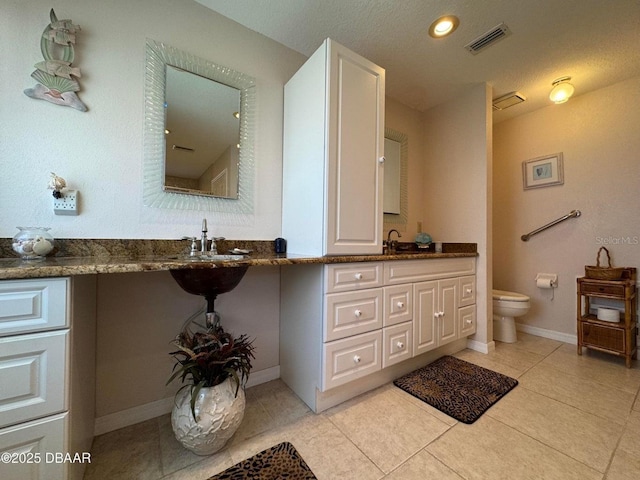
point(543, 282)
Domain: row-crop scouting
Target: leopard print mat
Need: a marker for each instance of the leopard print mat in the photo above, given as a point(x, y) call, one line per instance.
point(460, 389)
point(280, 462)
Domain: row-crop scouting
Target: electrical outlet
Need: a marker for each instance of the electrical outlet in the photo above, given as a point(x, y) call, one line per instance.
point(67, 204)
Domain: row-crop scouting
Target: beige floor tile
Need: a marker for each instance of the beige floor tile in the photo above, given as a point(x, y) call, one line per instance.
point(280, 402)
point(443, 417)
point(587, 395)
point(516, 358)
point(172, 454)
point(580, 435)
point(129, 453)
point(630, 441)
point(256, 420)
point(624, 466)
point(423, 466)
point(596, 366)
point(386, 427)
point(489, 449)
point(204, 468)
point(489, 362)
point(535, 344)
point(326, 450)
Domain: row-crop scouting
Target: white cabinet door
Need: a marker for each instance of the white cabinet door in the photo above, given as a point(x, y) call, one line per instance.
point(355, 149)
point(435, 308)
point(425, 304)
point(447, 311)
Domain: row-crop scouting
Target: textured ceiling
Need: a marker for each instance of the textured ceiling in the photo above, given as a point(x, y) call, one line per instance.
point(597, 42)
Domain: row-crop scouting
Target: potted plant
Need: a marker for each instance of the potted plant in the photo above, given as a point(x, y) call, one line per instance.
point(214, 367)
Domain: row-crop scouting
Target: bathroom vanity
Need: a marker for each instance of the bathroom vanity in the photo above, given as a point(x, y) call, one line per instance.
point(341, 323)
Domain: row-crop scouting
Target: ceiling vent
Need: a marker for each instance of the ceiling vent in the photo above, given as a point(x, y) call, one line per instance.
point(487, 39)
point(508, 100)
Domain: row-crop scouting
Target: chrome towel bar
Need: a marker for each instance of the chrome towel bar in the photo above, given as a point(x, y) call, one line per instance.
point(572, 214)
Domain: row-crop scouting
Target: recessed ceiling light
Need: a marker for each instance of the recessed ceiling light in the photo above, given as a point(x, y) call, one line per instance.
point(444, 26)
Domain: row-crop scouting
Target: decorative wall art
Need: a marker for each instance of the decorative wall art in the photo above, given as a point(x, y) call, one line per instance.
point(54, 74)
point(543, 171)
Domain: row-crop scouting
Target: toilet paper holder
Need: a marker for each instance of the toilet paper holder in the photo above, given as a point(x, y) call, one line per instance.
point(547, 280)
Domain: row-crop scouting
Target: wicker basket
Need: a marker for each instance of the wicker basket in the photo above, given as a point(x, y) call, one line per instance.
point(603, 273)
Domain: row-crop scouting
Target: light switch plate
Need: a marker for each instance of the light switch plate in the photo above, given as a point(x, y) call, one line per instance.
point(67, 204)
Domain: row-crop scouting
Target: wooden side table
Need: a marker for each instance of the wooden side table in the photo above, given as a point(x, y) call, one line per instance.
point(617, 338)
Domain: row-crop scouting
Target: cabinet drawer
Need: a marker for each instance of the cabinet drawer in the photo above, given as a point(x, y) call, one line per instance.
point(467, 290)
point(32, 305)
point(467, 319)
point(398, 304)
point(343, 277)
point(351, 358)
point(588, 288)
point(603, 337)
point(397, 344)
point(411, 271)
point(32, 375)
point(352, 313)
point(35, 439)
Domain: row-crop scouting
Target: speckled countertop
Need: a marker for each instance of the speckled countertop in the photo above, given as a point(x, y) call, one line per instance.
point(90, 256)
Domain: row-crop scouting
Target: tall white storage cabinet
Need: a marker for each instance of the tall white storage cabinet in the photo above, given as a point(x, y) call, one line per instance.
point(333, 155)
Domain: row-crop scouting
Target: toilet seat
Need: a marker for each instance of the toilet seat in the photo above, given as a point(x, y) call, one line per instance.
point(503, 295)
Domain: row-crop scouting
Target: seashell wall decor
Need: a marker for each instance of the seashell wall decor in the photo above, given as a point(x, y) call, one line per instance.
point(55, 73)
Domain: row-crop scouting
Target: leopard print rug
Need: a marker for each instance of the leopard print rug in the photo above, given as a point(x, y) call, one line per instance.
point(460, 389)
point(279, 462)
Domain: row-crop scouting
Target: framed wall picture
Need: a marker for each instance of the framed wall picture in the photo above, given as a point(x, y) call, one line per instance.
point(543, 171)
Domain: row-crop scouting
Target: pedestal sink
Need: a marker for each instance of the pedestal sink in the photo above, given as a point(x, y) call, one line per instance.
point(209, 281)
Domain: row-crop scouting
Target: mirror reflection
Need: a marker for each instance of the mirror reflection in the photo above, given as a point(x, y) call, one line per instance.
point(202, 135)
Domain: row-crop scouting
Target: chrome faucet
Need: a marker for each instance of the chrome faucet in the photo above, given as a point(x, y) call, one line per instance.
point(203, 238)
point(391, 244)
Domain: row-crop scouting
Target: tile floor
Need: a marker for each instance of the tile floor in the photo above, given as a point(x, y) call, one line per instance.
point(571, 417)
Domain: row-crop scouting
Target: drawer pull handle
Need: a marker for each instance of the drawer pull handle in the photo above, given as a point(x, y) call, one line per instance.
point(400, 345)
point(468, 290)
point(356, 359)
point(358, 313)
point(469, 321)
point(358, 276)
point(400, 304)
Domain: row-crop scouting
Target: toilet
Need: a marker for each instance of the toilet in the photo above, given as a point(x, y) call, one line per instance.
point(507, 306)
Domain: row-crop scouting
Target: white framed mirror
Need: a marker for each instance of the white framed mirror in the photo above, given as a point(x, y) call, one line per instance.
point(199, 133)
point(396, 195)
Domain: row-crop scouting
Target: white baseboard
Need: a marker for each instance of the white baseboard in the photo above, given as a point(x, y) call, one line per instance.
point(480, 346)
point(543, 332)
point(131, 416)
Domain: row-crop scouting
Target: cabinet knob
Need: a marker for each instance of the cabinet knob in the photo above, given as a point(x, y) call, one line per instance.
point(469, 321)
point(381, 159)
point(468, 290)
point(437, 314)
point(356, 359)
point(400, 345)
point(358, 276)
point(358, 313)
point(400, 304)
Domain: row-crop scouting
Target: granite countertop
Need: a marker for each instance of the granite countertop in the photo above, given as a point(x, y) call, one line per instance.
point(87, 256)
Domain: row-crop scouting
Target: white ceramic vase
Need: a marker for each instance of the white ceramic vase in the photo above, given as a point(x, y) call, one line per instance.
point(219, 413)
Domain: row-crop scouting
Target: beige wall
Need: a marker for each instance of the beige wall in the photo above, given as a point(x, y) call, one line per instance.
point(598, 136)
point(457, 184)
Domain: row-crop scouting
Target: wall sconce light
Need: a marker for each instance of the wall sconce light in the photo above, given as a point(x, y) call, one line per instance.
point(444, 26)
point(562, 90)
